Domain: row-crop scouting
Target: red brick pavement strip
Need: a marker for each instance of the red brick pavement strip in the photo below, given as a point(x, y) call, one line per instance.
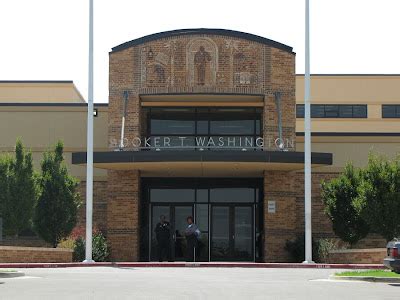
point(191, 265)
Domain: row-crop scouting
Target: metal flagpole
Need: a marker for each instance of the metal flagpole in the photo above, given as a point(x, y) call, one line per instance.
point(89, 160)
point(307, 142)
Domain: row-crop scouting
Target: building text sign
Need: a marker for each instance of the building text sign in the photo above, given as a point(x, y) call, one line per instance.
point(200, 142)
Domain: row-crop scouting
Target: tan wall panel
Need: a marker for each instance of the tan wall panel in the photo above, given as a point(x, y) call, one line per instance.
point(355, 152)
point(42, 127)
point(351, 89)
point(350, 125)
point(40, 93)
point(39, 129)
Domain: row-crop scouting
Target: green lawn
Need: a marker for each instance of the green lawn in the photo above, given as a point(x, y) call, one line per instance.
point(4, 271)
point(369, 273)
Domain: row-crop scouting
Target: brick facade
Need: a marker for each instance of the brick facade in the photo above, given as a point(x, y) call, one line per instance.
point(204, 63)
point(10, 254)
point(358, 256)
point(99, 205)
point(287, 190)
point(123, 215)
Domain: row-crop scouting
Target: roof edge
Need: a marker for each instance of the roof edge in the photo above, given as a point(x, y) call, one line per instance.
point(198, 31)
point(52, 104)
point(351, 75)
point(36, 81)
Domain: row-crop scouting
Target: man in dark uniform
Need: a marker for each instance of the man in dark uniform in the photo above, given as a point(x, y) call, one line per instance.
point(163, 234)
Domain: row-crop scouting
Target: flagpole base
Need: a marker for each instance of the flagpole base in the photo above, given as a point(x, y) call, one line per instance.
point(308, 262)
point(88, 261)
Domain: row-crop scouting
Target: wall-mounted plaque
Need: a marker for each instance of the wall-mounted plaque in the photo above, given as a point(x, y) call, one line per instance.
point(271, 207)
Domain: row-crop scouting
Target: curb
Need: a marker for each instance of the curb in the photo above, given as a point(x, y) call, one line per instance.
point(367, 279)
point(11, 274)
point(192, 265)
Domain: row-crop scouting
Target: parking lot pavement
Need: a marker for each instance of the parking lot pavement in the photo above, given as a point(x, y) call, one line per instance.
point(188, 283)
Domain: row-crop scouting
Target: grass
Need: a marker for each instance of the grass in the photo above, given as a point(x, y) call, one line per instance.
point(370, 273)
point(6, 271)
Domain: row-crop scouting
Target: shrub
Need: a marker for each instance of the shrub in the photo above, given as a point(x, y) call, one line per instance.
point(79, 249)
point(100, 249)
point(324, 247)
point(295, 247)
point(67, 243)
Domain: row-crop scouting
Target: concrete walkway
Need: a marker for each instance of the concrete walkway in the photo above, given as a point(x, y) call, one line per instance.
point(189, 283)
point(193, 265)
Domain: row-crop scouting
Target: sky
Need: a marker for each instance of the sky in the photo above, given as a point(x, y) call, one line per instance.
point(48, 39)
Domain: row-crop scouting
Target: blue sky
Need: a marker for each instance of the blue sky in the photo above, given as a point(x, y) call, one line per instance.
point(47, 39)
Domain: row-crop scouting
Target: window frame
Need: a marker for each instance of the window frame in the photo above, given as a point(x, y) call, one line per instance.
point(332, 111)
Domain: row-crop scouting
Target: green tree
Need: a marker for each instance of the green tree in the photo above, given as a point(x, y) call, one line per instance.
point(20, 186)
point(4, 183)
point(379, 196)
point(57, 207)
point(340, 198)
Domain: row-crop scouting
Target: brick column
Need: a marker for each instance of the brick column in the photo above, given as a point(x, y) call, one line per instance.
point(123, 214)
point(281, 225)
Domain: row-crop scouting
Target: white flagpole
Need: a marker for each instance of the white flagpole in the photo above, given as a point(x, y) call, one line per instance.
point(307, 142)
point(89, 160)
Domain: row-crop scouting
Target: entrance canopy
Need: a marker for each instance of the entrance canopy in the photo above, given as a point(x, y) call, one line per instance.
point(202, 163)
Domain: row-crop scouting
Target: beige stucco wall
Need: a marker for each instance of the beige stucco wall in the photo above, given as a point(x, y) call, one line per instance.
point(352, 89)
point(39, 92)
point(41, 126)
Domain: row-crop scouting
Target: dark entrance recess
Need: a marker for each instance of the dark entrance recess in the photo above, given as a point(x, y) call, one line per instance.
point(229, 213)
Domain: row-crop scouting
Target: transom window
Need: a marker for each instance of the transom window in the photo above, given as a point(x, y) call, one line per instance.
point(231, 127)
point(333, 111)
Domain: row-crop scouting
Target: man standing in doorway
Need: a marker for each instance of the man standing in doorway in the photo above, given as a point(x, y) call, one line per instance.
point(192, 234)
point(163, 234)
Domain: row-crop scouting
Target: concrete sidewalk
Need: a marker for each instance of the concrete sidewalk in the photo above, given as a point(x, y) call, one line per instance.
point(193, 265)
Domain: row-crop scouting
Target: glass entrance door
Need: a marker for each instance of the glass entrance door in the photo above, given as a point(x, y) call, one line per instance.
point(232, 232)
point(176, 215)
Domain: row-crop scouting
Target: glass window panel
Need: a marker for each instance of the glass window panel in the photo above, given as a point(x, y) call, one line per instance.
point(232, 127)
point(162, 126)
point(220, 232)
point(345, 111)
point(202, 217)
point(202, 249)
point(389, 111)
point(232, 195)
point(172, 195)
point(243, 232)
point(258, 125)
point(317, 111)
point(202, 195)
point(300, 111)
point(359, 111)
point(397, 111)
point(202, 127)
point(331, 111)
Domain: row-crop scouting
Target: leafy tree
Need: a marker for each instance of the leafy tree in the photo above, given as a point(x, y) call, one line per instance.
point(58, 204)
point(20, 186)
point(379, 196)
point(4, 183)
point(340, 198)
